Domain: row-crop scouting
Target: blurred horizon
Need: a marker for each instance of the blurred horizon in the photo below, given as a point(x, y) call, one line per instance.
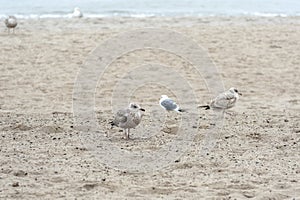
point(147, 8)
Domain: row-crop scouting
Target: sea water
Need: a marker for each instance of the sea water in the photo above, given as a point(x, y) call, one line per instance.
point(148, 8)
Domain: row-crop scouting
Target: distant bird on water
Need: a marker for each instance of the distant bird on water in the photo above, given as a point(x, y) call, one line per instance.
point(11, 23)
point(128, 118)
point(168, 104)
point(224, 100)
point(77, 13)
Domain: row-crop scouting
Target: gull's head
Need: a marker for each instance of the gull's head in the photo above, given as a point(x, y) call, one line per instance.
point(234, 90)
point(164, 97)
point(76, 9)
point(12, 17)
point(136, 107)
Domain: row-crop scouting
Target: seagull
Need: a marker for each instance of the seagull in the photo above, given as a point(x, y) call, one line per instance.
point(224, 100)
point(11, 23)
point(128, 118)
point(168, 104)
point(77, 13)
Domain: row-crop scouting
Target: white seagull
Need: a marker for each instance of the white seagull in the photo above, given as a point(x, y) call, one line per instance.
point(224, 100)
point(128, 118)
point(168, 104)
point(77, 13)
point(11, 23)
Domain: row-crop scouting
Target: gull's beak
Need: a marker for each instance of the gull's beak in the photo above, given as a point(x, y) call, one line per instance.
point(240, 93)
point(142, 109)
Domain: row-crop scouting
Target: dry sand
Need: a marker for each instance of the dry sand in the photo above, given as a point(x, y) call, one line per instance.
point(42, 155)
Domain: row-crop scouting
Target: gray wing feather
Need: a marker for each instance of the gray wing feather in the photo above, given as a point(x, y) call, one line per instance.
point(169, 104)
point(224, 100)
point(121, 117)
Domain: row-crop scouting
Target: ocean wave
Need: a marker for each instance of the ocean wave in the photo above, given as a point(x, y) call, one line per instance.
point(261, 14)
point(145, 15)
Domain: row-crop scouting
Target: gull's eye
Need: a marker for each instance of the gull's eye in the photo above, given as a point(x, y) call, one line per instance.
point(134, 106)
point(236, 90)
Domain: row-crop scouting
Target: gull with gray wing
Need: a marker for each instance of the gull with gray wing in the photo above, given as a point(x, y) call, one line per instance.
point(77, 13)
point(168, 104)
point(128, 118)
point(224, 100)
point(11, 23)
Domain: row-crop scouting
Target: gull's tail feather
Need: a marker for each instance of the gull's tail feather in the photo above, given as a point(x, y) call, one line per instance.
point(207, 107)
point(181, 110)
point(112, 124)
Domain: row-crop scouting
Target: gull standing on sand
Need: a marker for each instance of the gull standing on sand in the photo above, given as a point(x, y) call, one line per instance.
point(168, 104)
point(224, 100)
point(77, 13)
point(128, 118)
point(11, 23)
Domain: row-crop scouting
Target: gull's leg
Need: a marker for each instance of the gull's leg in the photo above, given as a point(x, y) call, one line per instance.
point(168, 115)
point(125, 132)
point(230, 113)
point(227, 132)
point(166, 118)
point(128, 130)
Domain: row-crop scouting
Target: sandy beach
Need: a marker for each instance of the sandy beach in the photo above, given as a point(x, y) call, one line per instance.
point(257, 155)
